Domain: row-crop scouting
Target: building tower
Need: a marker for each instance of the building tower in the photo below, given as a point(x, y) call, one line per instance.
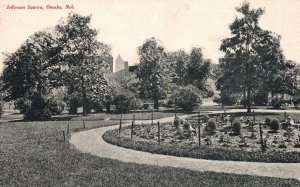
point(119, 64)
point(126, 65)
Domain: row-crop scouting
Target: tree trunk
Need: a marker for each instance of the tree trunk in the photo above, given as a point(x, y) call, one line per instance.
point(108, 108)
point(248, 83)
point(248, 100)
point(84, 112)
point(244, 98)
point(156, 104)
point(73, 106)
point(88, 107)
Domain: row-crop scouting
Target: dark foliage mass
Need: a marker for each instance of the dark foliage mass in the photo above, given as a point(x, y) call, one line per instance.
point(57, 58)
point(254, 64)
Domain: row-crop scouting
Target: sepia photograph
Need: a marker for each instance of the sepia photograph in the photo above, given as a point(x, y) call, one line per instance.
point(150, 93)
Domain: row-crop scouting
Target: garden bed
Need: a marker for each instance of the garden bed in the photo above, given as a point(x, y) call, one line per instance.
point(223, 144)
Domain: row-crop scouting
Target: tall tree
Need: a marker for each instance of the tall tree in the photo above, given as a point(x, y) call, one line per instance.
point(85, 60)
point(26, 75)
point(177, 63)
point(252, 55)
point(151, 77)
point(189, 69)
point(198, 71)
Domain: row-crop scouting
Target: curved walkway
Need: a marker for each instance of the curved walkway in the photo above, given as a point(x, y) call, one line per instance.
point(91, 141)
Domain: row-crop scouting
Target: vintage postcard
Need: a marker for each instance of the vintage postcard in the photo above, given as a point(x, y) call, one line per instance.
point(149, 93)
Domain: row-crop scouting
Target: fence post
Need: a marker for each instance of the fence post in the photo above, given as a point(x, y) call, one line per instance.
point(68, 129)
point(131, 129)
point(64, 135)
point(285, 116)
point(253, 117)
point(120, 127)
point(199, 136)
point(158, 133)
point(199, 129)
point(133, 118)
point(121, 117)
point(175, 111)
point(261, 138)
point(83, 124)
point(151, 117)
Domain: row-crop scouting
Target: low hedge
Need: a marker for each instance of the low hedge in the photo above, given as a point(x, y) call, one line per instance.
point(203, 152)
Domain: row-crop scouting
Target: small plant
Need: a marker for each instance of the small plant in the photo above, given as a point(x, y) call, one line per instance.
point(236, 127)
point(211, 126)
point(177, 122)
point(253, 130)
point(276, 139)
point(208, 140)
point(248, 121)
point(268, 122)
point(282, 144)
point(243, 141)
point(289, 133)
point(297, 144)
point(265, 141)
point(285, 124)
point(274, 125)
point(222, 138)
point(226, 140)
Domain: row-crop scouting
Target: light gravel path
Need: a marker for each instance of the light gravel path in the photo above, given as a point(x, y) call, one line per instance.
point(91, 141)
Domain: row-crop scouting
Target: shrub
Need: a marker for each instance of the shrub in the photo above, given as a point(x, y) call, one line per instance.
point(217, 99)
point(268, 121)
point(37, 114)
point(74, 103)
point(274, 125)
point(296, 100)
point(39, 108)
point(236, 127)
point(277, 102)
point(55, 106)
point(22, 104)
point(285, 125)
point(125, 103)
point(186, 98)
point(177, 122)
point(211, 126)
point(98, 107)
point(260, 98)
point(228, 99)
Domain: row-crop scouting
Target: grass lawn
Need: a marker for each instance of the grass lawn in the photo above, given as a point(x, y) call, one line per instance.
point(220, 108)
point(33, 154)
point(14, 115)
point(139, 115)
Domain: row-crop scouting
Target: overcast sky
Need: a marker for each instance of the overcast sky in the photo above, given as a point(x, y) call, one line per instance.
point(179, 24)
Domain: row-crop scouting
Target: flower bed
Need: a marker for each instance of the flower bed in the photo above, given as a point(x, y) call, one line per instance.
point(222, 144)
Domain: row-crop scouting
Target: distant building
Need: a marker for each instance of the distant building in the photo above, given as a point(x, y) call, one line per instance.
point(126, 65)
point(119, 64)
